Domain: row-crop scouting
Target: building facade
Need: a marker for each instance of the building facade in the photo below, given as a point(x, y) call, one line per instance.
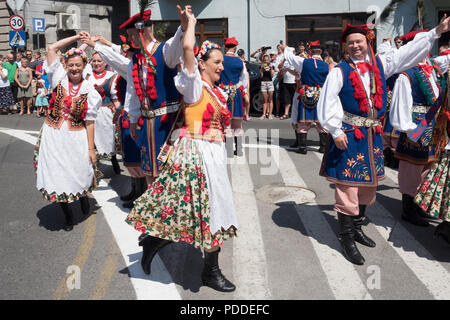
point(257, 23)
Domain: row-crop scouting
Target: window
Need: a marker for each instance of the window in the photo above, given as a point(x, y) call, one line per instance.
point(38, 41)
point(212, 29)
point(325, 28)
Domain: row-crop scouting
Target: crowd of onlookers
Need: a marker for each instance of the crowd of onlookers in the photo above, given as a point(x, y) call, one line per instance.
point(24, 86)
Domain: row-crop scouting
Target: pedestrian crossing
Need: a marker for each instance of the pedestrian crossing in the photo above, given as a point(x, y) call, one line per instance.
point(399, 252)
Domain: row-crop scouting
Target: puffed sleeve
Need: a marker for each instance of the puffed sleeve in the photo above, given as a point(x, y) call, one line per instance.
point(132, 103)
point(94, 103)
point(443, 62)
point(55, 73)
point(173, 49)
point(189, 85)
point(293, 60)
point(113, 90)
point(401, 105)
point(329, 108)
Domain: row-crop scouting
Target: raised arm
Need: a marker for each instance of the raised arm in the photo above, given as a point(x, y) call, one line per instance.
point(292, 59)
point(52, 50)
point(189, 40)
point(173, 48)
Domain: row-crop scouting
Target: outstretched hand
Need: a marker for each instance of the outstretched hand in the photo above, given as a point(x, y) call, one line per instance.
point(184, 16)
point(444, 25)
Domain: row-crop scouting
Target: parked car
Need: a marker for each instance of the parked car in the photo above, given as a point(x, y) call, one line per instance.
point(256, 99)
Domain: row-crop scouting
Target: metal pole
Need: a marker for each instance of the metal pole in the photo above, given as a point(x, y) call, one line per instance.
point(248, 30)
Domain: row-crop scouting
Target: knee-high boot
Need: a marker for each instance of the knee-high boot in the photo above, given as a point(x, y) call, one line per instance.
point(141, 187)
point(115, 164)
point(410, 212)
point(443, 231)
point(302, 143)
point(238, 141)
point(68, 215)
point(150, 245)
point(322, 141)
point(358, 221)
point(85, 207)
point(132, 193)
point(295, 144)
point(347, 239)
point(212, 276)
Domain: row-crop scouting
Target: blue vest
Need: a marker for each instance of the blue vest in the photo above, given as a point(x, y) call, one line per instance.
point(312, 77)
point(361, 164)
point(232, 68)
point(154, 132)
point(388, 129)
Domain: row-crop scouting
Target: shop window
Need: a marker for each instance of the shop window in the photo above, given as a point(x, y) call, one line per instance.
point(325, 28)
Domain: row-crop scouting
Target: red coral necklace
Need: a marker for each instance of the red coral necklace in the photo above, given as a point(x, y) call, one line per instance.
point(73, 92)
point(99, 75)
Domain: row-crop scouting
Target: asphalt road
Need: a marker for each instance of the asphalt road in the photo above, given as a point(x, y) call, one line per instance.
point(286, 249)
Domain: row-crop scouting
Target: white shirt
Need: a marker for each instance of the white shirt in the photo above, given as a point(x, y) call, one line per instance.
point(172, 52)
point(114, 59)
point(329, 108)
point(402, 100)
point(4, 82)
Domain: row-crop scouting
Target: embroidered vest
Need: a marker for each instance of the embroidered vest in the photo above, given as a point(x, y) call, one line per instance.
point(63, 107)
point(205, 118)
point(313, 76)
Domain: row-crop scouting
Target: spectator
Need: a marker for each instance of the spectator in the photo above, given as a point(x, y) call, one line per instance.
point(12, 66)
point(259, 53)
point(23, 78)
point(19, 57)
point(6, 97)
point(41, 98)
point(398, 42)
point(288, 88)
point(246, 97)
point(278, 83)
point(266, 72)
point(301, 50)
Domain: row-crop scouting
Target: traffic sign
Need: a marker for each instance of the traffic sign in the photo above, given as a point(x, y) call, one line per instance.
point(17, 39)
point(38, 25)
point(16, 22)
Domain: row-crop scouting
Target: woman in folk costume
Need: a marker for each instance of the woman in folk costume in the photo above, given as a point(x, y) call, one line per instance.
point(313, 72)
point(65, 155)
point(191, 200)
point(415, 92)
point(433, 195)
point(234, 80)
point(105, 130)
point(131, 153)
point(351, 106)
point(152, 101)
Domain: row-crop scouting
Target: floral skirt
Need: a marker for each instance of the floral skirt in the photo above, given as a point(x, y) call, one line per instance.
point(176, 207)
point(434, 193)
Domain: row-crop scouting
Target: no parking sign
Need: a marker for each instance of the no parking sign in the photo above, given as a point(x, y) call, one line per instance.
point(38, 25)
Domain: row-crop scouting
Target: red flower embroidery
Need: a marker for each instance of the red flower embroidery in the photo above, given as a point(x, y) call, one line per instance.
point(187, 198)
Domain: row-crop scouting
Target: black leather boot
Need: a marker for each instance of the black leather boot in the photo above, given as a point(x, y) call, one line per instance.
point(115, 165)
point(302, 143)
point(141, 187)
point(212, 276)
point(443, 231)
point(410, 212)
point(358, 221)
point(238, 141)
point(85, 207)
point(67, 215)
point(347, 240)
point(132, 193)
point(295, 144)
point(322, 141)
point(388, 157)
point(150, 245)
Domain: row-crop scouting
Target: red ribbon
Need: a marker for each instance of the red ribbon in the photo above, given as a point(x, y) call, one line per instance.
point(364, 67)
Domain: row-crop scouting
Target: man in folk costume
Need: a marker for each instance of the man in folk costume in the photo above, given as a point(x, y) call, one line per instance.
point(118, 58)
point(313, 72)
point(351, 105)
point(152, 100)
point(233, 80)
point(415, 92)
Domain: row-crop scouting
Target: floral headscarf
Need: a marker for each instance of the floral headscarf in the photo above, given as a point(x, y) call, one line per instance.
point(206, 46)
point(75, 52)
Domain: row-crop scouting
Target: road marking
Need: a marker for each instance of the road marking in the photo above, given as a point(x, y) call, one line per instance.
point(107, 273)
point(249, 258)
point(342, 277)
point(430, 272)
point(159, 285)
point(24, 135)
point(87, 242)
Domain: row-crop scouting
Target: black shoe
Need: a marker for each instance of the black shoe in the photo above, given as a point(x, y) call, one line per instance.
point(358, 221)
point(302, 143)
point(238, 141)
point(295, 144)
point(115, 165)
point(132, 193)
point(85, 207)
point(67, 215)
point(129, 204)
point(150, 245)
point(410, 212)
point(322, 141)
point(443, 231)
point(212, 276)
point(388, 157)
point(347, 240)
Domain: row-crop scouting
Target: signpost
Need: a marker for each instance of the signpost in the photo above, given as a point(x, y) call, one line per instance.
point(17, 39)
point(16, 22)
point(38, 25)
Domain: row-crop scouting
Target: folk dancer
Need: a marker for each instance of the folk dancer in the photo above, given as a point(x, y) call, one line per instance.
point(64, 157)
point(415, 92)
point(352, 103)
point(233, 80)
point(191, 200)
point(313, 72)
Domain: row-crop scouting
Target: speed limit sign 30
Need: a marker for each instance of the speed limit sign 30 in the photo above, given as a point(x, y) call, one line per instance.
point(16, 22)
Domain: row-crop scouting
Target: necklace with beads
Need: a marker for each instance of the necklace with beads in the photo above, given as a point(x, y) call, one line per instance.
point(99, 75)
point(74, 91)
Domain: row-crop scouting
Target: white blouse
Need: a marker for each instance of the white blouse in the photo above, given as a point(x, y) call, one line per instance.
point(56, 74)
point(172, 52)
point(114, 59)
point(329, 108)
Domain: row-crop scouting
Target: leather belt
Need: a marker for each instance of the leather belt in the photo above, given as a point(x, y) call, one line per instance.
point(169, 108)
point(420, 109)
point(359, 121)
